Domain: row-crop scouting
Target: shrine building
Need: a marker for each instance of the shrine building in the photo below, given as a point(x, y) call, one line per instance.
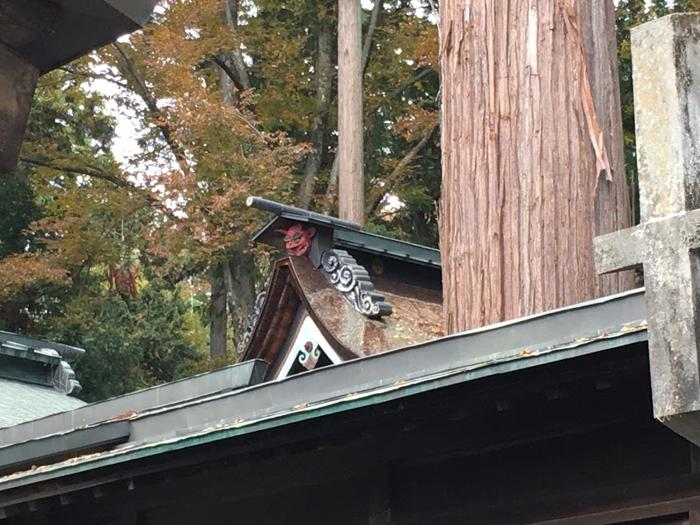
point(349, 404)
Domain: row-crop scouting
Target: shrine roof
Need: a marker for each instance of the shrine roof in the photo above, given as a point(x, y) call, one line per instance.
point(21, 402)
point(346, 234)
point(595, 327)
point(35, 380)
point(51, 33)
point(416, 315)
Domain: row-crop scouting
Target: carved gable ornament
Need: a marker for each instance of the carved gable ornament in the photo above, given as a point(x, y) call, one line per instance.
point(353, 281)
point(340, 268)
point(339, 293)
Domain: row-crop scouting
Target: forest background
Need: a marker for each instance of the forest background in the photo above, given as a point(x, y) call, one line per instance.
point(144, 260)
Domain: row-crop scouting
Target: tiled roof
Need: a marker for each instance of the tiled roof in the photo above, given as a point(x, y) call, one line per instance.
point(20, 402)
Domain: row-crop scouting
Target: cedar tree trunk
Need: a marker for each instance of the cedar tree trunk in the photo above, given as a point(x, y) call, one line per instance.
point(532, 154)
point(351, 184)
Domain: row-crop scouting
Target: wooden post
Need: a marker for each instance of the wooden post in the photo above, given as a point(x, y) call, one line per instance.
point(532, 156)
point(351, 187)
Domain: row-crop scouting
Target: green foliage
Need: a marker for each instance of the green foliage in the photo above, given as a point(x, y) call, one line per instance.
point(17, 210)
point(130, 343)
point(72, 217)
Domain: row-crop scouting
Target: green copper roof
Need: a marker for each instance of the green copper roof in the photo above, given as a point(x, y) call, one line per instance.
point(20, 402)
point(596, 326)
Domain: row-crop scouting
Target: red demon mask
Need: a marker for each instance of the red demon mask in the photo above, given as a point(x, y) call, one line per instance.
point(297, 239)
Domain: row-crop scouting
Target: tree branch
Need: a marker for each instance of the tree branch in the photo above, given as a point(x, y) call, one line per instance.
point(94, 75)
point(394, 176)
point(151, 103)
point(369, 36)
point(97, 173)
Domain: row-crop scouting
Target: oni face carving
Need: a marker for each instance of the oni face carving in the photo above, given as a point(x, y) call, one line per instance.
point(297, 239)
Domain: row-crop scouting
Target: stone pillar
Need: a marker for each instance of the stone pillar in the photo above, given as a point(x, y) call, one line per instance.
point(666, 59)
point(17, 82)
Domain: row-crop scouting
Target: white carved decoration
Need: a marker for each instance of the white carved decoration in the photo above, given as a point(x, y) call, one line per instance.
point(307, 348)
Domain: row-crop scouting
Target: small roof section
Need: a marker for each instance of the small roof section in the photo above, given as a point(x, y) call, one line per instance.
point(35, 380)
point(21, 402)
point(49, 33)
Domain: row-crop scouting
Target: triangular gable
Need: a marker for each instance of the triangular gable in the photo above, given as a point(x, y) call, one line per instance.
point(360, 295)
point(307, 349)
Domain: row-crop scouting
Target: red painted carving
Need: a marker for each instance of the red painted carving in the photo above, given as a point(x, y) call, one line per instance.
point(297, 239)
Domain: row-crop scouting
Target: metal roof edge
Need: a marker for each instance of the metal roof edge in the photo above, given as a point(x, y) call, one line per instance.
point(65, 351)
point(31, 452)
point(409, 251)
point(582, 329)
point(301, 413)
point(228, 378)
point(28, 354)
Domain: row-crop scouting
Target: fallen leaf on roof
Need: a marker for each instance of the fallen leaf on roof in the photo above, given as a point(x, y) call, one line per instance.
point(125, 415)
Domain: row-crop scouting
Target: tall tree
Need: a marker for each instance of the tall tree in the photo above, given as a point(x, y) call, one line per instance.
point(533, 164)
point(351, 182)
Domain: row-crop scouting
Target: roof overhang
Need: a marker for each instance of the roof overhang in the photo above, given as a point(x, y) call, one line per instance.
point(345, 234)
point(37, 36)
point(48, 34)
point(595, 327)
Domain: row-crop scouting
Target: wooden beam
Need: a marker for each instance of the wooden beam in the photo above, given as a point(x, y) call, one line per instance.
point(351, 187)
point(24, 21)
point(17, 83)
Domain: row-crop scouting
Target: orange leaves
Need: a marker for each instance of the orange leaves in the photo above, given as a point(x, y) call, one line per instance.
point(216, 132)
point(418, 124)
point(20, 274)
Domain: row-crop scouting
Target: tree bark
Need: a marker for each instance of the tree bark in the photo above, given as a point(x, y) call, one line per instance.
point(329, 197)
point(533, 164)
point(239, 277)
point(351, 184)
point(238, 272)
point(218, 323)
point(324, 86)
